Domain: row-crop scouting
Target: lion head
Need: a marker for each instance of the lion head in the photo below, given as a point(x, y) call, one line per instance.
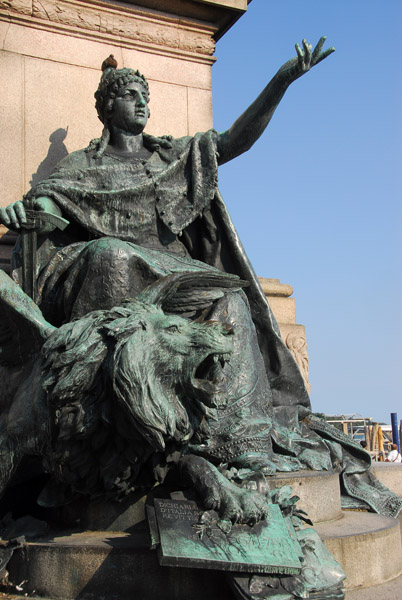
point(164, 371)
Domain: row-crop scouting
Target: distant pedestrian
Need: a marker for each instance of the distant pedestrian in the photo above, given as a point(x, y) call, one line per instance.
point(394, 455)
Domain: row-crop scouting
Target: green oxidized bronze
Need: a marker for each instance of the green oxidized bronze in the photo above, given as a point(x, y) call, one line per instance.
point(140, 352)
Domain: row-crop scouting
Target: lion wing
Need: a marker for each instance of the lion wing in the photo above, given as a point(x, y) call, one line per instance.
point(193, 290)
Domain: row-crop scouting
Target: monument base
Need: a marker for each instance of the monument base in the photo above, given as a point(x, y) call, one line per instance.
point(120, 564)
point(113, 565)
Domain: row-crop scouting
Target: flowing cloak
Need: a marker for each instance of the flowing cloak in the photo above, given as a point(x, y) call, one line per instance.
point(105, 197)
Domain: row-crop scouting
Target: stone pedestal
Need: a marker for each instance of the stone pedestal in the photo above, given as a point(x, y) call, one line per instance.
point(118, 562)
point(284, 309)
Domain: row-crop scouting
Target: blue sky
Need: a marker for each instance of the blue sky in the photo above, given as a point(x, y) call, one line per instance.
point(317, 200)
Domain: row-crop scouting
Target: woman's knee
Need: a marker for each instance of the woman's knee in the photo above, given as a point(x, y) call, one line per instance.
point(106, 250)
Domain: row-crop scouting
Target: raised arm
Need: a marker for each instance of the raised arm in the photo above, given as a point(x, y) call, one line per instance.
point(250, 125)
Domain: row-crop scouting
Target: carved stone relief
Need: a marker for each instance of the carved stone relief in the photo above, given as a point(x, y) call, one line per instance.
point(284, 309)
point(124, 23)
point(297, 345)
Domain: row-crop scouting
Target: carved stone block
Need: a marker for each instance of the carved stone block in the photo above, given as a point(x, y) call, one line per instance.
point(284, 309)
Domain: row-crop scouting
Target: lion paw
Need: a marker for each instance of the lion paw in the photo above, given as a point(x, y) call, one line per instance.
point(237, 505)
point(231, 502)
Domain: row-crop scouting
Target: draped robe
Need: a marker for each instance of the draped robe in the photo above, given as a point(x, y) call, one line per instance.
point(167, 209)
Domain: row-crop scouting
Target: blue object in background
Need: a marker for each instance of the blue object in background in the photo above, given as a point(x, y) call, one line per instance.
point(394, 425)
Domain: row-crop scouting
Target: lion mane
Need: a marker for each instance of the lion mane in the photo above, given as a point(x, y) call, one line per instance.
point(119, 386)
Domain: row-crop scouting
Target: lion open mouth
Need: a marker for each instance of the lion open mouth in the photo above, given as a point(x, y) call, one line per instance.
point(209, 377)
point(211, 367)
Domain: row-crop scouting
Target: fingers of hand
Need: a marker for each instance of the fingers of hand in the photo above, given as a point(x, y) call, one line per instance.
point(20, 212)
point(325, 54)
point(307, 50)
point(317, 49)
point(12, 217)
point(307, 59)
point(4, 217)
point(304, 56)
point(299, 53)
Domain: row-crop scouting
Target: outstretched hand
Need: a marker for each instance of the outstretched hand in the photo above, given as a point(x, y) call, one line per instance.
point(305, 59)
point(250, 125)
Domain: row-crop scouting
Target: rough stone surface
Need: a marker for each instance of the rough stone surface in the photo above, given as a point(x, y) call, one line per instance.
point(294, 337)
point(45, 142)
point(163, 31)
point(391, 590)
point(85, 565)
point(99, 565)
point(363, 543)
point(106, 515)
point(390, 474)
point(284, 309)
point(11, 161)
point(273, 287)
point(318, 491)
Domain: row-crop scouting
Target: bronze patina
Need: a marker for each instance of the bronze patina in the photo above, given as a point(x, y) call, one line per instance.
point(143, 340)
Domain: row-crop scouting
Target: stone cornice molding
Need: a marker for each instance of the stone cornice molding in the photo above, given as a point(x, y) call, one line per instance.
point(273, 287)
point(120, 25)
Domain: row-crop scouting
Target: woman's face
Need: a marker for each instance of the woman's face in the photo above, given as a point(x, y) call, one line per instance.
point(130, 109)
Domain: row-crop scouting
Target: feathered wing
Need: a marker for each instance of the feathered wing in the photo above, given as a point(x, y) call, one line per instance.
point(23, 329)
point(192, 290)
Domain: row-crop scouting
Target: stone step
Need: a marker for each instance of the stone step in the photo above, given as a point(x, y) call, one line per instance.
point(319, 492)
point(93, 565)
point(116, 566)
point(363, 543)
point(391, 590)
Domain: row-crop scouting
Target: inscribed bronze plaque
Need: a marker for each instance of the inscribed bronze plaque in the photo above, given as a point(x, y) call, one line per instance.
point(189, 537)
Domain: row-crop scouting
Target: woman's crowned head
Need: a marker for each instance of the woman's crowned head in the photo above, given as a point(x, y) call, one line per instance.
point(111, 81)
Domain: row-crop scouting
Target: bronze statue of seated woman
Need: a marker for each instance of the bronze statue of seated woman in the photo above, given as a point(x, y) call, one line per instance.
point(141, 209)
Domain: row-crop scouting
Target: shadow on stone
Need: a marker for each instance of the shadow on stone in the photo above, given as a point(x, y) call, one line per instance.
point(109, 565)
point(56, 152)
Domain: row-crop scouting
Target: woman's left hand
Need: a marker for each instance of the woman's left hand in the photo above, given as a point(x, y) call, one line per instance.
point(305, 59)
